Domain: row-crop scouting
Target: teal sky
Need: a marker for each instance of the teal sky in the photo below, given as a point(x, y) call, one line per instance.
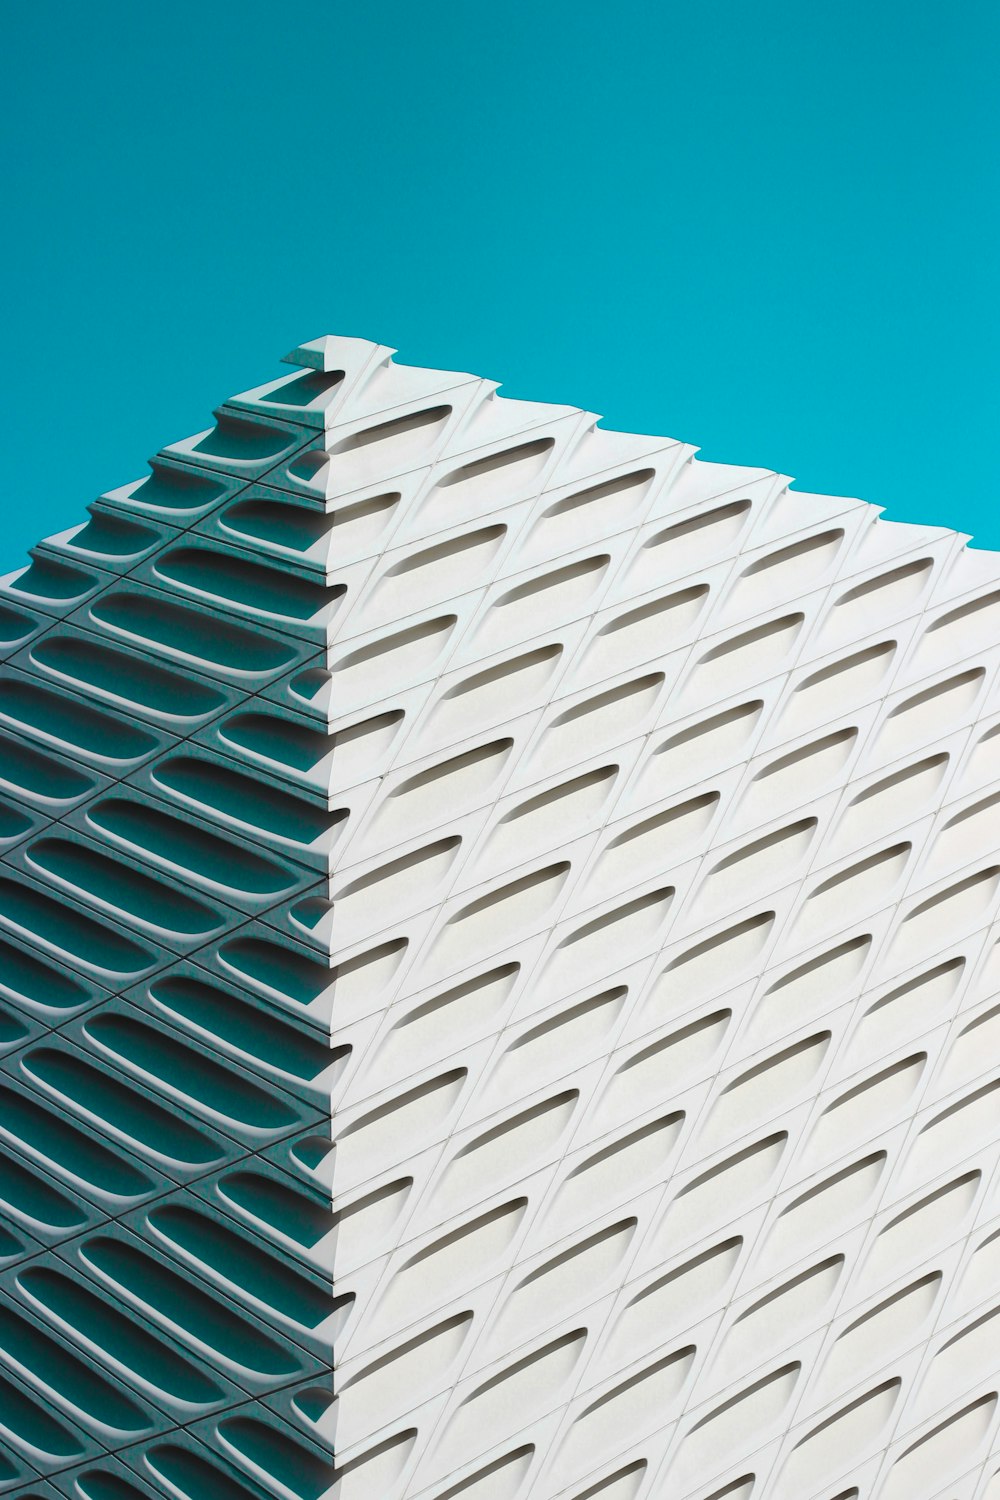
point(769, 229)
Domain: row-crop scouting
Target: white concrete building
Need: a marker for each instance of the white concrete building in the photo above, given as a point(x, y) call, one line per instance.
point(605, 846)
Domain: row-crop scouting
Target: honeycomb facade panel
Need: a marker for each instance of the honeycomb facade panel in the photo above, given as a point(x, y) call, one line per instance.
point(498, 971)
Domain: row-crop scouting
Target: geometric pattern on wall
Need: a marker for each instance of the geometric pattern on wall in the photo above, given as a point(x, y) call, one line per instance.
point(499, 971)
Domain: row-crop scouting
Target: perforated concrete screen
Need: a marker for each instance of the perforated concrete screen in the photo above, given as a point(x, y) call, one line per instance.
point(602, 849)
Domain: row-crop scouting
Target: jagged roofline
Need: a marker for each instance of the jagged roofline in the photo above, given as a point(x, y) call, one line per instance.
point(354, 377)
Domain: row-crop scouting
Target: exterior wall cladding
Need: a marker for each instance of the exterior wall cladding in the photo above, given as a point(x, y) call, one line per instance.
point(601, 849)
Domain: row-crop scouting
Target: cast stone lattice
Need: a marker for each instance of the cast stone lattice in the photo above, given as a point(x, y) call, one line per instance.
point(499, 971)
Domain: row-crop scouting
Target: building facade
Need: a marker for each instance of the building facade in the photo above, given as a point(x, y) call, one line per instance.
point(499, 985)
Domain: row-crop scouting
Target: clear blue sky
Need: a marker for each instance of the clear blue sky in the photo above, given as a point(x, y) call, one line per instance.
point(769, 229)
